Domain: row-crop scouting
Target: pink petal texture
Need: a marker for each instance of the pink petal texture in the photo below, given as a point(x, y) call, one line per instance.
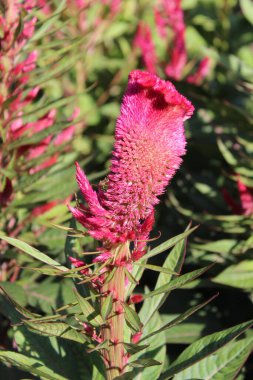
point(149, 144)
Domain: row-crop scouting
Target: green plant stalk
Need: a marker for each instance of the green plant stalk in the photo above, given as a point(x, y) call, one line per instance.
point(113, 331)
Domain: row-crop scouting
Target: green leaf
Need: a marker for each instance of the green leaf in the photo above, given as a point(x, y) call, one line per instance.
point(174, 262)
point(130, 277)
point(100, 346)
point(53, 352)
point(15, 291)
point(228, 156)
point(225, 364)
point(132, 318)
point(106, 307)
point(21, 310)
point(115, 30)
point(247, 9)
point(179, 319)
point(204, 347)
point(134, 348)
point(155, 268)
point(184, 333)
point(31, 365)
point(57, 329)
point(178, 282)
point(156, 349)
point(143, 363)
point(239, 276)
point(33, 252)
point(125, 376)
point(90, 314)
point(169, 243)
point(50, 21)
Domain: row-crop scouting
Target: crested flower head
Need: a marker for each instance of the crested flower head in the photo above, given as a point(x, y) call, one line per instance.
point(149, 144)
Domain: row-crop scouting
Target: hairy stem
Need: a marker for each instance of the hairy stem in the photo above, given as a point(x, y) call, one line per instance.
point(113, 331)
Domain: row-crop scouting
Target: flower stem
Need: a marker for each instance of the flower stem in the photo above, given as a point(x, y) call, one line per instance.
point(113, 331)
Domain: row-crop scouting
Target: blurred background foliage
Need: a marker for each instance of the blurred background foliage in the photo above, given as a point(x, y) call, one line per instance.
point(85, 53)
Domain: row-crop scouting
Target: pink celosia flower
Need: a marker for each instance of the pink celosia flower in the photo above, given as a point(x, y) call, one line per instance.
point(201, 72)
point(78, 264)
point(148, 147)
point(114, 6)
point(143, 40)
point(178, 57)
point(169, 15)
point(245, 207)
point(161, 23)
point(15, 71)
point(246, 197)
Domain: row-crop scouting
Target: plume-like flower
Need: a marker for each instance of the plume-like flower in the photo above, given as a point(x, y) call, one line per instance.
point(143, 40)
point(201, 72)
point(15, 68)
point(178, 58)
point(149, 144)
point(245, 207)
point(169, 15)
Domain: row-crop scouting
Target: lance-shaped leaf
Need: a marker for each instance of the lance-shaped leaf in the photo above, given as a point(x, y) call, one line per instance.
point(228, 156)
point(239, 276)
point(57, 329)
point(33, 252)
point(106, 307)
point(226, 364)
point(204, 347)
point(31, 365)
point(132, 318)
point(169, 243)
point(174, 262)
point(134, 348)
point(156, 268)
point(178, 282)
point(20, 309)
point(179, 319)
point(143, 363)
point(90, 314)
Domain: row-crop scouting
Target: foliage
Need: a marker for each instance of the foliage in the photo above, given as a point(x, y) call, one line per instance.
point(85, 51)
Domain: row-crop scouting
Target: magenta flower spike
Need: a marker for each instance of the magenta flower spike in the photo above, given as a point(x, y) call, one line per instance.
point(148, 149)
point(149, 144)
point(143, 40)
point(245, 206)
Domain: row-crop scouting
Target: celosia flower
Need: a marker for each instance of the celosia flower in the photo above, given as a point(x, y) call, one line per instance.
point(143, 40)
point(178, 57)
point(14, 74)
point(201, 72)
point(114, 6)
point(149, 144)
point(169, 14)
point(245, 207)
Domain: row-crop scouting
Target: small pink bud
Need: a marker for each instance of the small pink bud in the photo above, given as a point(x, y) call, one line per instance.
point(136, 337)
point(135, 298)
